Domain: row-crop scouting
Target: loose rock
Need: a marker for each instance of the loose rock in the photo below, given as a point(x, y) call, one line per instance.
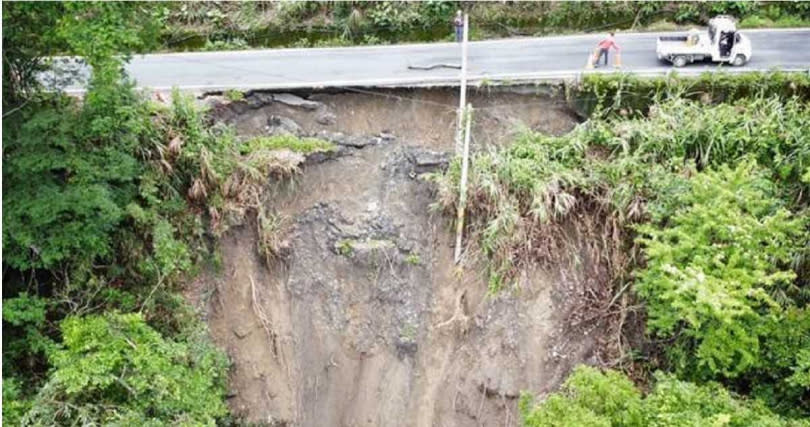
point(326, 118)
point(296, 101)
point(241, 331)
point(425, 160)
point(279, 125)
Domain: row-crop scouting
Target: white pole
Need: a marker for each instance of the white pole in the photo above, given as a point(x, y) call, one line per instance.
point(462, 192)
point(462, 98)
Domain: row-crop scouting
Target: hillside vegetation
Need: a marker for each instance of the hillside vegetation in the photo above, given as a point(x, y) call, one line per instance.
point(706, 211)
point(694, 190)
point(109, 205)
point(225, 25)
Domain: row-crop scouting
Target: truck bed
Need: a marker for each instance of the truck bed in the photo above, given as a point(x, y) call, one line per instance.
point(669, 45)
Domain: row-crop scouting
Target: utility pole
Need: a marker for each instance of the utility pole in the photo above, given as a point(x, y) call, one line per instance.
point(462, 97)
point(462, 191)
point(464, 113)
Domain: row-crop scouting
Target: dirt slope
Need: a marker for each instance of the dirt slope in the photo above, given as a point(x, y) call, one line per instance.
point(365, 320)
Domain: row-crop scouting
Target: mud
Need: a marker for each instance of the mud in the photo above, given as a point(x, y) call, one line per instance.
point(365, 320)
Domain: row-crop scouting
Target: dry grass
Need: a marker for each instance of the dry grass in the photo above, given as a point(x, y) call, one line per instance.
point(243, 190)
point(271, 230)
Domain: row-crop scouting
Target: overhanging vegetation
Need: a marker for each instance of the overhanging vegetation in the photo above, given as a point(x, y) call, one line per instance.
point(701, 206)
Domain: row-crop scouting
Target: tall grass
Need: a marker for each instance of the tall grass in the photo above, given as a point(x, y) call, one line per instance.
point(618, 169)
point(631, 95)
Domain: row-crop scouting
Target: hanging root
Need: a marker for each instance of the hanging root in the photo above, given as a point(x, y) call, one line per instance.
point(259, 312)
point(459, 315)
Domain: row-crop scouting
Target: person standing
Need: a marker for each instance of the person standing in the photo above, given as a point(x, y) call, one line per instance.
point(604, 46)
point(458, 25)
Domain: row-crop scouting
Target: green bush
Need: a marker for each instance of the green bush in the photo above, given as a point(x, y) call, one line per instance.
point(115, 369)
point(15, 405)
point(755, 22)
point(287, 142)
point(713, 259)
point(628, 94)
point(67, 173)
point(588, 397)
point(781, 377)
point(539, 180)
point(772, 131)
point(593, 398)
point(232, 44)
point(234, 95)
point(717, 193)
point(25, 332)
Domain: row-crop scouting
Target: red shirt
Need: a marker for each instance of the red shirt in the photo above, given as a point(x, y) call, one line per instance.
point(608, 43)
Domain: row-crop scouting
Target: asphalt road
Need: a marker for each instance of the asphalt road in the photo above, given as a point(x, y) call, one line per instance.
point(512, 59)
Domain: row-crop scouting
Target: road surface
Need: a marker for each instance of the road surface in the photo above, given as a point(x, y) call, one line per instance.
point(508, 59)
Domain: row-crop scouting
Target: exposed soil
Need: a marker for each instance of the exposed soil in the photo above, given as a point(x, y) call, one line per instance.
point(425, 118)
point(365, 320)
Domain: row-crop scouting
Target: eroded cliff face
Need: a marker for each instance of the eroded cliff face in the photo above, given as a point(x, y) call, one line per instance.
point(364, 319)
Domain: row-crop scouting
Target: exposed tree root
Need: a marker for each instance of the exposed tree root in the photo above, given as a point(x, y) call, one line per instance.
point(259, 312)
point(459, 315)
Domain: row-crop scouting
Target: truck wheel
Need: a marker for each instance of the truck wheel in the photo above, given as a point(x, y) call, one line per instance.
point(679, 61)
point(738, 61)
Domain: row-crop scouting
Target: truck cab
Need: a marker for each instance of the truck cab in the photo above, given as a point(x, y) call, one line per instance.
point(720, 43)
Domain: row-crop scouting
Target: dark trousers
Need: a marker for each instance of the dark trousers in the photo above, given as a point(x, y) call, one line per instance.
point(602, 52)
point(459, 33)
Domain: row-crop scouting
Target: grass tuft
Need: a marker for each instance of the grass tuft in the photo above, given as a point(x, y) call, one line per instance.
point(287, 142)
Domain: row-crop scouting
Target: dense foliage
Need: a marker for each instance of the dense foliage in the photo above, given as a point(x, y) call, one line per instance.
point(700, 206)
point(105, 212)
point(540, 179)
point(593, 398)
point(115, 369)
point(241, 25)
point(715, 256)
point(110, 204)
point(628, 94)
point(103, 34)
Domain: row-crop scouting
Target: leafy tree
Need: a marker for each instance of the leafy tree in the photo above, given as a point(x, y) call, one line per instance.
point(711, 266)
point(75, 177)
point(67, 174)
point(781, 376)
point(25, 338)
point(680, 403)
point(28, 39)
point(68, 169)
point(104, 34)
point(115, 369)
point(15, 405)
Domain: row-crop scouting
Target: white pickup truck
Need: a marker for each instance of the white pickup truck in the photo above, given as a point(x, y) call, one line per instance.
point(720, 43)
